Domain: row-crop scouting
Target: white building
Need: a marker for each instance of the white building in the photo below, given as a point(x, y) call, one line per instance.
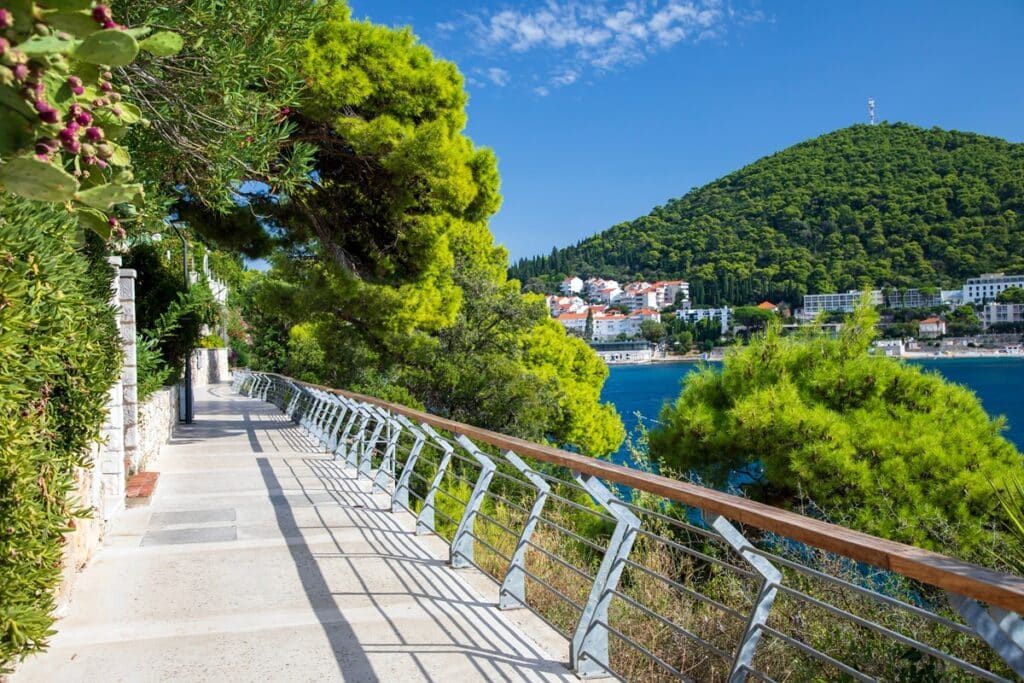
point(625, 352)
point(574, 323)
point(930, 328)
point(952, 297)
point(558, 305)
point(610, 325)
point(994, 314)
point(669, 291)
point(570, 286)
point(639, 295)
point(695, 315)
point(894, 348)
point(607, 295)
point(979, 290)
point(844, 302)
point(596, 284)
point(635, 318)
point(912, 298)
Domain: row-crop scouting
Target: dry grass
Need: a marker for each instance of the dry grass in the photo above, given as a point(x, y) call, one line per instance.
point(718, 621)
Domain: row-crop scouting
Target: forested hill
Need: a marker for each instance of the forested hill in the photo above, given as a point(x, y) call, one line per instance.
point(893, 205)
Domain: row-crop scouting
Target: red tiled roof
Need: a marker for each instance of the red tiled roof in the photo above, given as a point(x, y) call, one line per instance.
point(766, 305)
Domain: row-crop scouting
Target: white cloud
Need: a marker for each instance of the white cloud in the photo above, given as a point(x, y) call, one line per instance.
point(499, 77)
point(567, 77)
point(601, 35)
point(542, 91)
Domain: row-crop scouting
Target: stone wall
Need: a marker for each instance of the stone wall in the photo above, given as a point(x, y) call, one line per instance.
point(110, 461)
point(157, 417)
point(81, 543)
point(210, 366)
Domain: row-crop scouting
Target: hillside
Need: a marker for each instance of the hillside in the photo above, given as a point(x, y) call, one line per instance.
point(895, 205)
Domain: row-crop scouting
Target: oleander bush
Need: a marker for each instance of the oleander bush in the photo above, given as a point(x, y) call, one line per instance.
point(59, 355)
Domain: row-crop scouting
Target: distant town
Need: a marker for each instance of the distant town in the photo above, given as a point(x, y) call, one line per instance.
point(641, 321)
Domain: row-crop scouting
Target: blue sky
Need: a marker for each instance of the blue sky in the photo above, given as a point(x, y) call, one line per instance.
point(600, 110)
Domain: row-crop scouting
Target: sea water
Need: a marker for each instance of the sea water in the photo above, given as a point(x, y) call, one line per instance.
point(998, 382)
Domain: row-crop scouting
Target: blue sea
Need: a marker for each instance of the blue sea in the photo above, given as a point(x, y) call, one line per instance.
point(998, 382)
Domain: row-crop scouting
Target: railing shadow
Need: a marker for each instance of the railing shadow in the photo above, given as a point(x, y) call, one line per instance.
point(461, 623)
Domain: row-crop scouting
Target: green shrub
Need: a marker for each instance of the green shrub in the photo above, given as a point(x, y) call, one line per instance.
point(166, 313)
point(211, 341)
point(58, 357)
point(906, 454)
point(153, 372)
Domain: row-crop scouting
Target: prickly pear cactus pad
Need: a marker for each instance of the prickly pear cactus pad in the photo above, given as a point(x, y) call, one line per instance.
point(62, 111)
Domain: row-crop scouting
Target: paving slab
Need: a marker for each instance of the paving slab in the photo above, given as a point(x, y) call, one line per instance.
point(263, 558)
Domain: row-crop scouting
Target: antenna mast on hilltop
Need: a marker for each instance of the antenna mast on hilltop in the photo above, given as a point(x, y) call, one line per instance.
point(871, 110)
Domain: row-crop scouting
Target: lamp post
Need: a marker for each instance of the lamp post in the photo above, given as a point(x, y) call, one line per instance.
point(189, 413)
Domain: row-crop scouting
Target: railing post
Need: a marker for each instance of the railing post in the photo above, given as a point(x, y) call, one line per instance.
point(310, 416)
point(762, 606)
point(400, 496)
point(512, 594)
point(425, 520)
point(334, 423)
point(344, 441)
point(320, 419)
point(460, 553)
point(1009, 623)
point(386, 470)
point(264, 390)
point(1003, 631)
point(293, 402)
point(254, 385)
point(307, 408)
point(366, 459)
point(359, 438)
point(588, 651)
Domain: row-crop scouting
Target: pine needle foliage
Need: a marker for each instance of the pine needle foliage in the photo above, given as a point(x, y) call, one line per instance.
point(387, 279)
point(903, 453)
point(219, 109)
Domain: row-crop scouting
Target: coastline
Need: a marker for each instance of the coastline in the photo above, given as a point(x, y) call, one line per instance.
point(669, 360)
point(964, 353)
point(946, 354)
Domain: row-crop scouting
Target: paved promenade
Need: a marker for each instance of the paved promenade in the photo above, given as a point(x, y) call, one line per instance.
point(261, 558)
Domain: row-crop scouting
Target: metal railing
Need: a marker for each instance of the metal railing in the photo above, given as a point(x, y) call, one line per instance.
point(671, 580)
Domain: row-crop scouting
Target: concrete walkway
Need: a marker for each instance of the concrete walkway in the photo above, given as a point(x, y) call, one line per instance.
point(261, 558)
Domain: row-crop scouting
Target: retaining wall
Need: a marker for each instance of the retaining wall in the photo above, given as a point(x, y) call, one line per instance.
point(157, 417)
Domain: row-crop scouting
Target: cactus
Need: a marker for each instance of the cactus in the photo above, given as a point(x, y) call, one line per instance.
point(112, 47)
point(163, 44)
point(76, 23)
point(38, 180)
point(105, 196)
point(37, 46)
point(69, 4)
point(60, 109)
point(91, 219)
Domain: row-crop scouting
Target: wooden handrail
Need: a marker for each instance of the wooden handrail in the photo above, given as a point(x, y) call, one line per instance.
point(971, 580)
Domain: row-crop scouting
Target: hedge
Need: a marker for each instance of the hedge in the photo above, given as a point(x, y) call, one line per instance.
point(59, 356)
